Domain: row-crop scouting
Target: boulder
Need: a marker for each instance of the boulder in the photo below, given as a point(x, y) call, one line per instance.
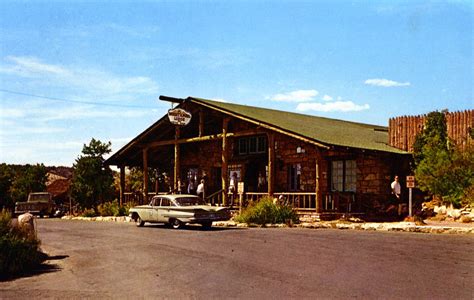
point(26, 222)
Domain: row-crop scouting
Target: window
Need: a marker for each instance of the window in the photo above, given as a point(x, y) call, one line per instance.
point(343, 175)
point(243, 146)
point(165, 202)
point(294, 176)
point(252, 145)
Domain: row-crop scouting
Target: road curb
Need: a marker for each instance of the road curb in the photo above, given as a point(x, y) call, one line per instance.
point(397, 226)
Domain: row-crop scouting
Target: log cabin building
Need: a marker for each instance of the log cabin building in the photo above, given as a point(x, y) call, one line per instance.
point(318, 164)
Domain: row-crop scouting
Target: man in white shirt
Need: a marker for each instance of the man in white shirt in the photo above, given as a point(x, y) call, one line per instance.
point(397, 191)
point(396, 188)
point(200, 189)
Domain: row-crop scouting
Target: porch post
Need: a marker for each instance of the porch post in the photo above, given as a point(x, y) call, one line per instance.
point(201, 123)
point(224, 170)
point(122, 184)
point(271, 162)
point(319, 198)
point(176, 159)
point(145, 175)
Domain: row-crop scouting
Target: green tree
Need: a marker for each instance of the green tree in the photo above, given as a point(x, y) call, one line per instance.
point(92, 182)
point(442, 169)
point(6, 180)
point(30, 178)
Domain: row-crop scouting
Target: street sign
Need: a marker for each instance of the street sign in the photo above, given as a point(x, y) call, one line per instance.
point(240, 188)
point(410, 186)
point(410, 181)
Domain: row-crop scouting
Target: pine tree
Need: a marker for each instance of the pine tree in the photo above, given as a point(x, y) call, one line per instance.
point(92, 183)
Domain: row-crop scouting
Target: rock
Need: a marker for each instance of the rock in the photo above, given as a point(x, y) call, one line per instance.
point(455, 213)
point(26, 222)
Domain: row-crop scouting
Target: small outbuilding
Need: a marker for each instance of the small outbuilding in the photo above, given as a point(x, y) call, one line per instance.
point(318, 164)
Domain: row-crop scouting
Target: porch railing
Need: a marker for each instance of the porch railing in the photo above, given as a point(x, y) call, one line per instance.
point(215, 198)
point(300, 201)
point(331, 202)
point(339, 202)
point(138, 197)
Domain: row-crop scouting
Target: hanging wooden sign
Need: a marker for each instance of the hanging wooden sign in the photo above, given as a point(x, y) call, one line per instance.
point(179, 116)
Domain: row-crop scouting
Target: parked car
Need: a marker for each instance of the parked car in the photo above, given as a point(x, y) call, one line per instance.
point(178, 210)
point(40, 203)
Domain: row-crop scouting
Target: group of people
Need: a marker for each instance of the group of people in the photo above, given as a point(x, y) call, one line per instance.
point(199, 190)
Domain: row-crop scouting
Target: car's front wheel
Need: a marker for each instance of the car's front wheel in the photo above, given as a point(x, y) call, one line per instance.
point(176, 224)
point(139, 222)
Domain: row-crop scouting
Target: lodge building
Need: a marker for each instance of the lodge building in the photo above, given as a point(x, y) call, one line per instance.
point(319, 164)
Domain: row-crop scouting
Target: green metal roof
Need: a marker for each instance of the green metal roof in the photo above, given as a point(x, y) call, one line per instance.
point(322, 130)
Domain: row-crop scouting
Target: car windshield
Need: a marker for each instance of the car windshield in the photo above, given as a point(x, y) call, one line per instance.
point(188, 201)
point(39, 197)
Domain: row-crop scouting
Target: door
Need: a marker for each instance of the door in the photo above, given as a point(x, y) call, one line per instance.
point(164, 210)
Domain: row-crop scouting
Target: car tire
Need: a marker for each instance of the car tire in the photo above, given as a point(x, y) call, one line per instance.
point(139, 222)
point(176, 224)
point(207, 225)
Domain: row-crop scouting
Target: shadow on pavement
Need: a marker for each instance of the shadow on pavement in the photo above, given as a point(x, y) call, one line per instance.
point(192, 228)
point(43, 268)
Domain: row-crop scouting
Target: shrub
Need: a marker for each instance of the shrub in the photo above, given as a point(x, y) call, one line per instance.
point(5, 222)
point(112, 209)
point(129, 205)
point(89, 213)
point(18, 250)
point(265, 211)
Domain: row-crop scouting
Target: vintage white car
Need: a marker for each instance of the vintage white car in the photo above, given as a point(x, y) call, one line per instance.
point(178, 210)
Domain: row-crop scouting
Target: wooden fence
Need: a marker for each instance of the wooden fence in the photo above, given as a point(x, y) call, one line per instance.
point(402, 131)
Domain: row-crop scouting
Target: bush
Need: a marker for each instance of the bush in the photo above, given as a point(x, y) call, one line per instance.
point(266, 212)
point(89, 213)
point(18, 251)
point(129, 205)
point(5, 222)
point(112, 209)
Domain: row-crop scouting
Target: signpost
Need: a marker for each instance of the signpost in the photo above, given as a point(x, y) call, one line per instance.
point(410, 186)
point(240, 191)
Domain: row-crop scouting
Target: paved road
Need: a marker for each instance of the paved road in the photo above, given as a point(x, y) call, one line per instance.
point(118, 260)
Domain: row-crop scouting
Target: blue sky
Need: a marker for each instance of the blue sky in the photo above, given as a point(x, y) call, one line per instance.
point(73, 71)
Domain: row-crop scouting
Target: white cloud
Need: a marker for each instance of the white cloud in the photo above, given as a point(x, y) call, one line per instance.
point(295, 96)
point(385, 82)
point(327, 98)
point(342, 106)
point(88, 80)
point(11, 113)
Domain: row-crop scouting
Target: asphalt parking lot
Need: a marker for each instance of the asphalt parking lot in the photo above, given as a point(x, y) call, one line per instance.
point(119, 260)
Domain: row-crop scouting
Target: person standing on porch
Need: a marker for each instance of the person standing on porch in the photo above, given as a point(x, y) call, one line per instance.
point(260, 183)
point(191, 186)
point(200, 189)
point(233, 187)
point(397, 192)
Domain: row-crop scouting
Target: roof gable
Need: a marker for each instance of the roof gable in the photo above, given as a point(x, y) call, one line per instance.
point(323, 130)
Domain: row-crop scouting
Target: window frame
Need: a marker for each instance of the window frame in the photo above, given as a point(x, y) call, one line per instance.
point(347, 172)
point(251, 145)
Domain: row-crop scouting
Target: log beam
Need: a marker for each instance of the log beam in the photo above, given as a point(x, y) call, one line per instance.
point(122, 184)
point(203, 138)
point(319, 198)
point(271, 163)
point(225, 159)
point(201, 123)
point(145, 175)
point(176, 160)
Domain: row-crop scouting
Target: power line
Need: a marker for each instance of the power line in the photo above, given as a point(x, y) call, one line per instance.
point(74, 101)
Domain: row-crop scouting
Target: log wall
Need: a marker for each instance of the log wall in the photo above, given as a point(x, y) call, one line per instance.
point(403, 130)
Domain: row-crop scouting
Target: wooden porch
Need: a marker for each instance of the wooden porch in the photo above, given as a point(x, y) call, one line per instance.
point(342, 203)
